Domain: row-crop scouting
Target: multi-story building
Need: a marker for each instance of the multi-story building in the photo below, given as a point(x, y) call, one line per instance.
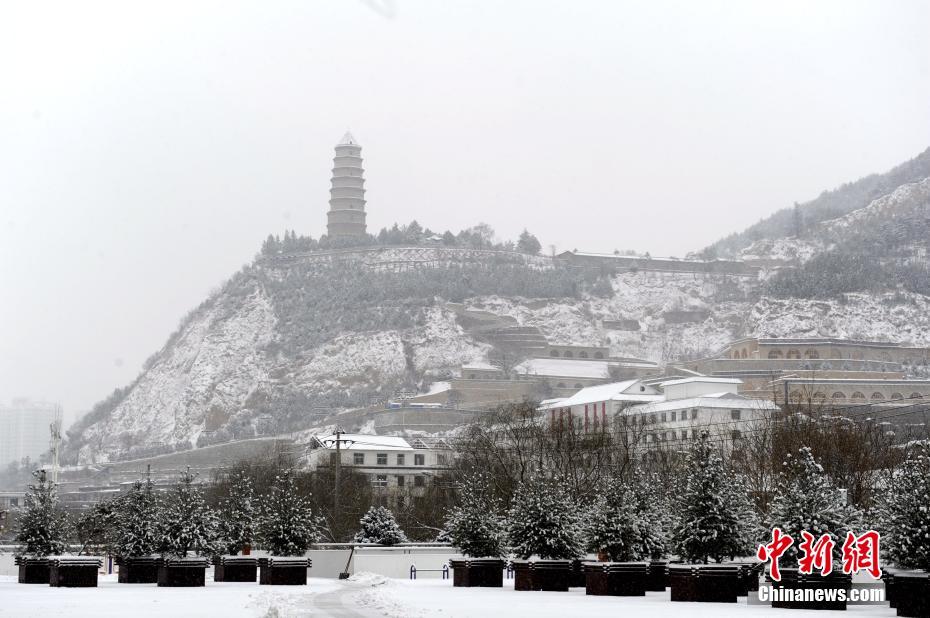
point(393, 465)
point(25, 429)
point(672, 412)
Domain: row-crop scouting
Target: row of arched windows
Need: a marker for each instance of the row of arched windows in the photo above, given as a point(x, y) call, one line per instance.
point(570, 354)
point(798, 396)
point(796, 354)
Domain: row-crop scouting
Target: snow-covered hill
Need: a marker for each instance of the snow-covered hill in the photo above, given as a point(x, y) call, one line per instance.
point(284, 344)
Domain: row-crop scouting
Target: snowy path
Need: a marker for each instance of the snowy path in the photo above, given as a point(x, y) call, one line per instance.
point(366, 596)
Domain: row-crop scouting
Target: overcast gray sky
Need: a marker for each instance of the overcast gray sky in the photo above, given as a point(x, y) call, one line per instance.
point(146, 149)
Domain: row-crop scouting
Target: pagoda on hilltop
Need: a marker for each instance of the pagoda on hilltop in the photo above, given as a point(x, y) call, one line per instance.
point(346, 216)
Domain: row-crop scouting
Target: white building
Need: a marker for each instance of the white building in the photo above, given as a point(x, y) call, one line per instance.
point(391, 463)
point(25, 429)
point(595, 407)
point(680, 411)
point(693, 405)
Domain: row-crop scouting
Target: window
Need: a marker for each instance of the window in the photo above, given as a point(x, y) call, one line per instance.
point(652, 418)
point(554, 353)
point(358, 459)
point(693, 413)
point(400, 459)
point(664, 417)
point(332, 459)
point(858, 395)
point(442, 459)
point(915, 396)
point(896, 396)
point(419, 459)
point(382, 459)
point(419, 481)
point(735, 435)
point(400, 481)
point(672, 414)
point(582, 354)
point(380, 480)
point(877, 395)
point(735, 414)
point(839, 395)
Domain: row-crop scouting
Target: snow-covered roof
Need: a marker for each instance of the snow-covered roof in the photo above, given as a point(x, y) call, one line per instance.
point(713, 400)
point(478, 365)
point(628, 390)
point(702, 380)
point(364, 442)
point(348, 140)
point(594, 369)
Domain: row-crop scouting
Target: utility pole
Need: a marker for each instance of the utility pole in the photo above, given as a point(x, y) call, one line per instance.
point(337, 468)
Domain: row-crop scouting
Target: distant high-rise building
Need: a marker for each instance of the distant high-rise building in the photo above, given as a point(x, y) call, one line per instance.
point(24, 429)
point(346, 217)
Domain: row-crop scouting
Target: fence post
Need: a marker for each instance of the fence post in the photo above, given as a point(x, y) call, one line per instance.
point(413, 571)
point(445, 571)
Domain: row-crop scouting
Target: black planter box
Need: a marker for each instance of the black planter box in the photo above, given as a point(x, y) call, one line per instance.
point(792, 579)
point(577, 577)
point(138, 569)
point(548, 575)
point(182, 572)
point(235, 569)
point(912, 594)
point(478, 573)
point(283, 571)
point(888, 579)
point(704, 583)
point(621, 579)
point(74, 571)
point(748, 576)
point(32, 570)
point(657, 576)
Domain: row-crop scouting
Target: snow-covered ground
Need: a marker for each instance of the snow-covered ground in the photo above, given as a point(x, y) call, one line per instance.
point(365, 595)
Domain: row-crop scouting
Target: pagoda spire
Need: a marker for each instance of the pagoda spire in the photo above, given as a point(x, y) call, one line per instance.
point(346, 216)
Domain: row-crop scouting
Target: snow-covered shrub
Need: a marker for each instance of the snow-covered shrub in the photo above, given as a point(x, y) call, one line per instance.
point(286, 526)
point(715, 515)
point(476, 525)
point(625, 521)
point(806, 501)
point(904, 513)
point(187, 523)
point(544, 521)
point(136, 522)
point(43, 526)
point(237, 515)
point(379, 526)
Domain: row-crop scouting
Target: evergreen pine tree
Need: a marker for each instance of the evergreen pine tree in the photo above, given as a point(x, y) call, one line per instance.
point(476, 526)
point(613, 525)
point(187, 523)
point(805, 501)
point(95, 528)
point(713, 509)
point(137, 522)
point(237, 515)
point(543, 521)
point(904, 513)
point(286, 525)
point(527, 243)
point(379, 526)
point(653, 506)
point(43, 527)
